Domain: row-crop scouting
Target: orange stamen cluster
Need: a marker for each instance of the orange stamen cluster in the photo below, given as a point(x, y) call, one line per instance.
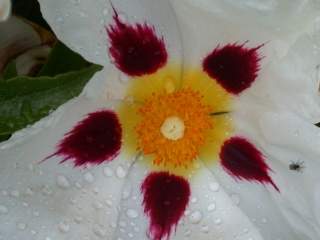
point(186, 104)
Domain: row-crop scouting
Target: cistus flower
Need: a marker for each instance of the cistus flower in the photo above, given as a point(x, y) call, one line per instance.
point(189, 132)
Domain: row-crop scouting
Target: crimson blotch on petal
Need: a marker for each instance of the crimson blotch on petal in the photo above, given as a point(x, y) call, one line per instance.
point(136, 49)
point(95, 139)
point(242, 160)
point(233, 66)
point(165, 198)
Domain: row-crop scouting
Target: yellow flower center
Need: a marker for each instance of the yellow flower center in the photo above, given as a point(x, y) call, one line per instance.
point(173, 126)
point(171, 119)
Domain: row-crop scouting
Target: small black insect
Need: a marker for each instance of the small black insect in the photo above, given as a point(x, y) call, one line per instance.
point(297, 166)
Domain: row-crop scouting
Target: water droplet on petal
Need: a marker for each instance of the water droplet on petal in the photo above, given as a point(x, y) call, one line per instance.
point(3, 210)
point(187, 233)
point(218, 221)
point(46, 190)
point(76, 2)
point(235, 198)
point(105, 11)
point(36, 214)
point(108, 172)
point(88, 177)
point(121, 172)
point(97, 205)
point(63, 227)
point(99, 231)
point(29, 192)
point(21, 226)
point(195, 217)
point(59, 20)
point(131, 213)
point(214, 186)
point(126, 192)
point(15, 193)
point(205, 229)
point(62, 182)
point(109, 203)
point(211, 207)
point(78, 219)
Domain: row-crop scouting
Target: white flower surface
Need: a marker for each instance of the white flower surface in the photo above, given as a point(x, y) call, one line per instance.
point(48, 200)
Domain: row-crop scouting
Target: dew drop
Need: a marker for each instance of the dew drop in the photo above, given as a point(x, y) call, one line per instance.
point(218, 221)
point(195, 217)
point(131, 213)
point(108, 172)
point(21, 226)
point(59, 20)
point(124, 78)
point(76, 2)
point(205, 229)
point(63, 227)
point(62, 182)
point(105, 11)
point(122, 224)
point(14, 193)
point(193, 200)
point(97, 205)
point(187, 233)
point(3, 210)
point(29, 192)
point(211, 207)
point(121, 172)
point(235, 198)
point(109, 203)
point(78, 219)
point(99, 231)
point(36, 214)
point(214, 186)
point(46, 190)
point(88, 177)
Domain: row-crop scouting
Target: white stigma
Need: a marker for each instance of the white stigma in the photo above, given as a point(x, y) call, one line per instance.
point(173, 128)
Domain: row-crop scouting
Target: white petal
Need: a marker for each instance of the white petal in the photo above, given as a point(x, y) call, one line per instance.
point(5, 9)
point(81, 24)
point(284, 138)
point(225, 22)
point(289, 75)
point(211, 214)
point(49, 200)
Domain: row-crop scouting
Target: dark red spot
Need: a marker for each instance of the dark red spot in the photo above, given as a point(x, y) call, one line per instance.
point(95, 139)
point(165, 199)
point(244, 161)
point(235, 67)
point(136, 49)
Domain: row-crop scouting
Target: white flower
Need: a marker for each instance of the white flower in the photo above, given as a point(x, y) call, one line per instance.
point(5, 9)
point(112, 200)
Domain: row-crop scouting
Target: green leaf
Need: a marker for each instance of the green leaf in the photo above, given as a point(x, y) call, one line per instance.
point(25, 100)
point(62, 60)
point(10, 71)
